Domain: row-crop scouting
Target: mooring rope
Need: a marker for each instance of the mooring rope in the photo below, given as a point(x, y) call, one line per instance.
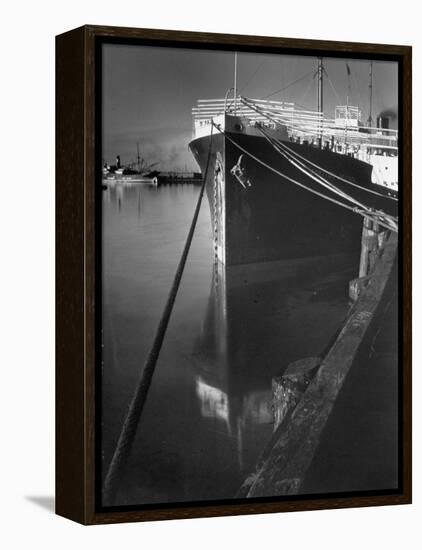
point(301, 166)
point(131, 422)
point(356, 210)
point(317, 177)
point(348, 182)
point(328, 185)
point(264, 113)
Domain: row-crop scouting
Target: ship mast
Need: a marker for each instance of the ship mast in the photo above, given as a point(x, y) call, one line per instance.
point(320, 90)
point(370, 95)
point(349, 93)
point(138, 157)
point(235, 81)
point(320, 95)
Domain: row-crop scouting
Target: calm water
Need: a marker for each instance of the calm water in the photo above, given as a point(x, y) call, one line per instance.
point(208, 414)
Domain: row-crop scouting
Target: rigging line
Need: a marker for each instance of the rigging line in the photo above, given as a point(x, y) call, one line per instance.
point(315, 115)
point(306, 91)
point(248, 82)
point(357, 89)
point(260, 111)
point(133, 416)
point(251, 78)
point(288, 85)
point(332, 87)
point(286, 119)
point(284, 176)
point(306, 107)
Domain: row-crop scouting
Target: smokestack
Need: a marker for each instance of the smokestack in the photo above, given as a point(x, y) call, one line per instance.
point(386, 118)
point(383, 122)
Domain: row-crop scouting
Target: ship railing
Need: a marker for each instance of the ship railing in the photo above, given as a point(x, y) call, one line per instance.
point(340, 138)
point(359, 136)
point(329, 129)
point(311, 132)
point(298, 122)
point(287, 110)
point(323, 126)
point(371, 130)
point(288, 119)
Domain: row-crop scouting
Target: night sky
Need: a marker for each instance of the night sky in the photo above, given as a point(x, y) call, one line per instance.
point(148, 93)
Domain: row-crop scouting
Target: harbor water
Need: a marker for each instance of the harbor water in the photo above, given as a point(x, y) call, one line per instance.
point(208, 414)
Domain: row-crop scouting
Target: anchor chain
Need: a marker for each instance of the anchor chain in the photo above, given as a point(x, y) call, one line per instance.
point(218, 173)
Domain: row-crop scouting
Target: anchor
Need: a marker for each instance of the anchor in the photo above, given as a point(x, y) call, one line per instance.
point(239, 171)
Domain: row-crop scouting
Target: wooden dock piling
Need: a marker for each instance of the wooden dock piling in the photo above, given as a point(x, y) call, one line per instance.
point(372, 242)
point(369, 247)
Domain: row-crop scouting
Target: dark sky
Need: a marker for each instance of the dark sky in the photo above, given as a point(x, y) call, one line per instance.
point(148, 93)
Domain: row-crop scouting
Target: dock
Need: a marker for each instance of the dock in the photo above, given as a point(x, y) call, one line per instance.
point(172, 178)
point(155, 179)
point(336, 417)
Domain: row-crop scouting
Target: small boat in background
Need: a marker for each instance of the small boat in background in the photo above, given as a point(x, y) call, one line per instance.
point(135, 172)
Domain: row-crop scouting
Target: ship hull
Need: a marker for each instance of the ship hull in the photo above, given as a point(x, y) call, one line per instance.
point(264, 217)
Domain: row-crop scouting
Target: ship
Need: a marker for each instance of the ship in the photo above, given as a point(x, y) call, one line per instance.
point(135, 172)
point(142, 172)
point(285, 182)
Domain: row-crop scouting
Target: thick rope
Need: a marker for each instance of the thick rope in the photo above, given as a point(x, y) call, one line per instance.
point(131, 422)
point(319, 179)
point(348, 182)
point(313, 191)
point(325, 183)
point(264, 113)
point(308, 172)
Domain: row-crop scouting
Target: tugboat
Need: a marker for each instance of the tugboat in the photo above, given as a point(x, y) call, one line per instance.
point(285, 182)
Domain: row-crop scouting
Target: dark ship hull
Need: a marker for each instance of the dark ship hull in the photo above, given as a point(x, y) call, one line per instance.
point(266, 217)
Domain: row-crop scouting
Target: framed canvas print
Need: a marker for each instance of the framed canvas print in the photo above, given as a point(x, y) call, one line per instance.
point(233, 274)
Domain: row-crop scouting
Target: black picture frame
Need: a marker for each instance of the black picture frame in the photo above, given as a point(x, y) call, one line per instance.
point(78, 270)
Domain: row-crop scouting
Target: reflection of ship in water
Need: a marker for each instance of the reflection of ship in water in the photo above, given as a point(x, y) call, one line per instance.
point(241, 414)
point(259, 318)
point(225, 383)
point(119, 194)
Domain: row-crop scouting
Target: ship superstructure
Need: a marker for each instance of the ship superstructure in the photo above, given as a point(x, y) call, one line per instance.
point(344, 134)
